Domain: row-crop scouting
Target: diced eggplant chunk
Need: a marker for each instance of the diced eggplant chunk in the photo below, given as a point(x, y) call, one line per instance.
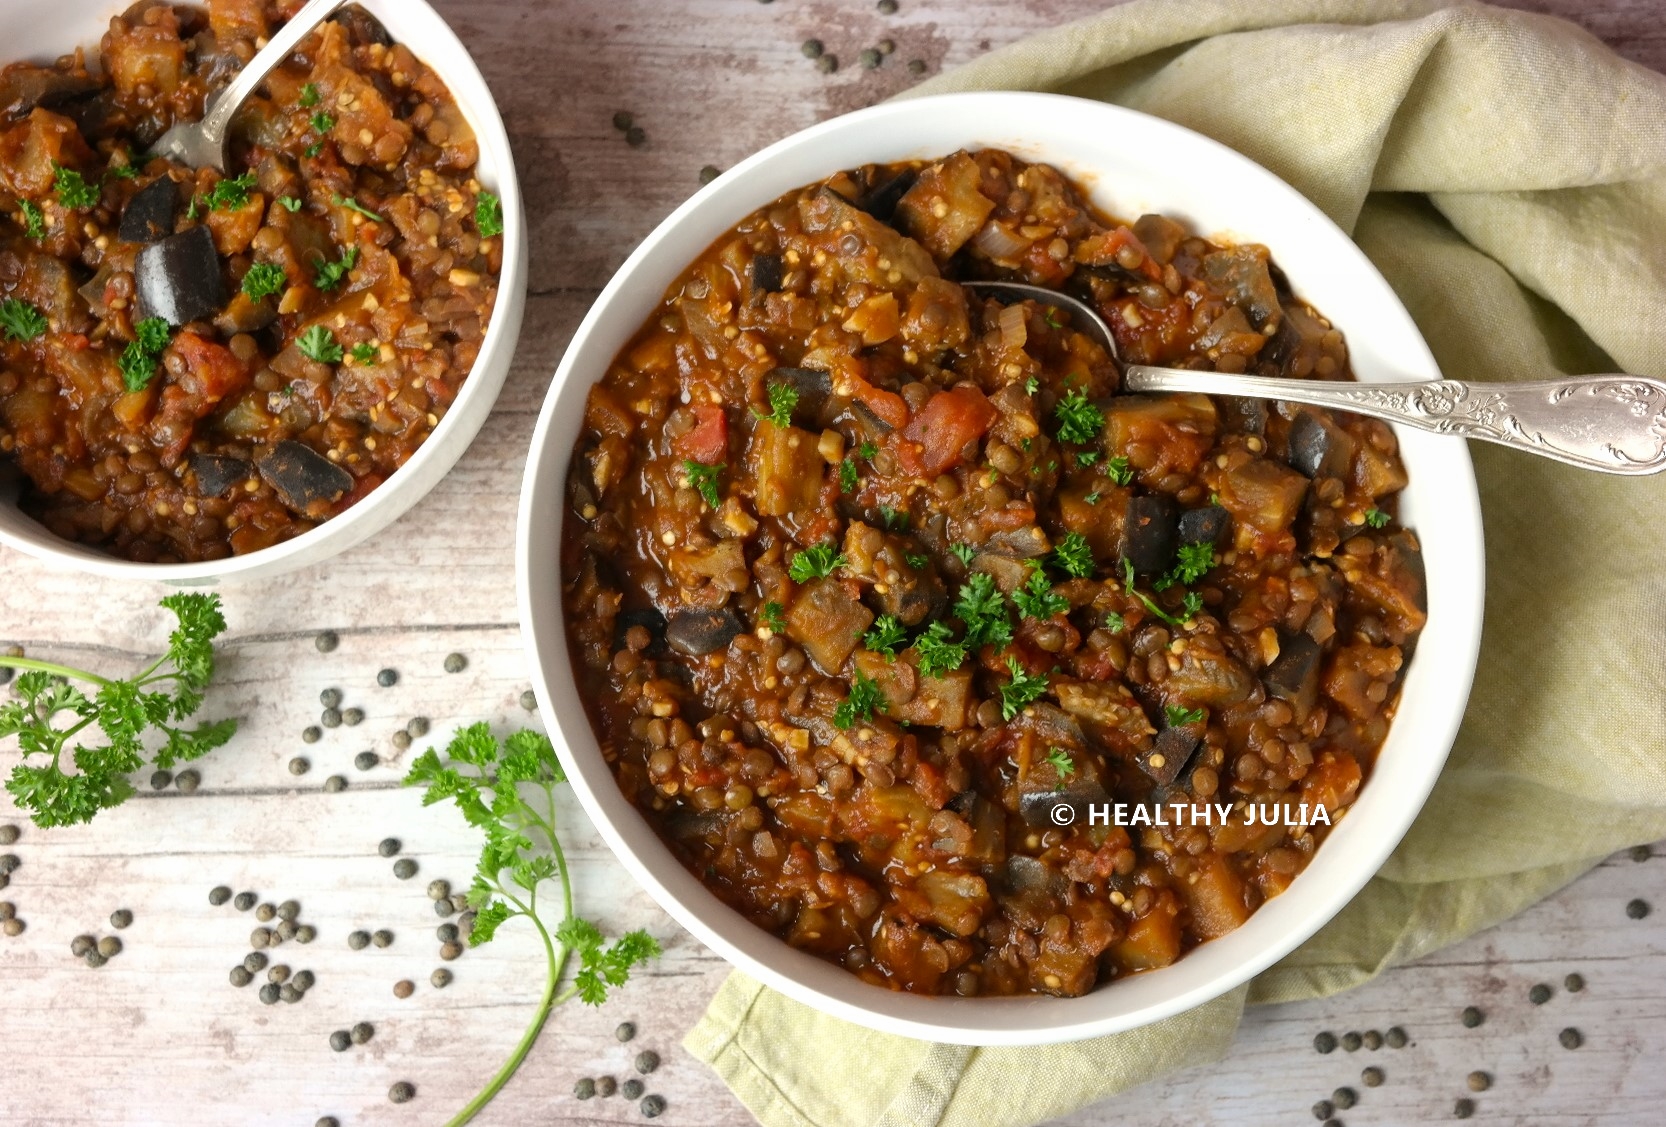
point(1210, 675)
point(179, 279)
point(217, 473)
point(1160, 235)
point(23, 88)
point(828, 623)
point(815, 394)
point(696, 633)
point(1263, 496)
point(955, 902)
point(1318, 446)
point(881, 203)
point(1205, 526)
point(1169, 755)
point(766, 274)
point(1022, 875)
point(1392, 582)
point(1243, 274)
point(1149, 533)
point(1293, 677)
point(787, 469)
point(1242, 416)
point(1026, 543)
point(1009, 572)
point(150, 213)
point(305, 480)
point(945, 207)
point(1037, 806)
point(650, 619)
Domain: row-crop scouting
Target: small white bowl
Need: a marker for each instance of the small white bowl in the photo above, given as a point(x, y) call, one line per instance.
point(42, 30)
point(1132, 163)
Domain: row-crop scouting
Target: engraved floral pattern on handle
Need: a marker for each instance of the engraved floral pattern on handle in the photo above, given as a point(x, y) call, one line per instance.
point(1612, 423)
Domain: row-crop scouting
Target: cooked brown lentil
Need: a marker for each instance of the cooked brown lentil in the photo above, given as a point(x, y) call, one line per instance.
point(729, 565)
point(229, 436)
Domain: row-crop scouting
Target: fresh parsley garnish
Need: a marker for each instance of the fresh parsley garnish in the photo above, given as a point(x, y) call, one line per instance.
point(1178, 717)
point(886, 634)
point(1079, 420)
point(815, 563)
point(965, 553)
point(1073, 555)
point(21, 320)
point(1023, 689)
point(866, 451)
point(1376, 518)
point(1194, 562)
point(774, 617)
point(1062, 763)
point(982, 607)
point(1086, 458)
point(488, 215)
point(1193, 604)
point(322, 122)
point(938, 652)
point(329, 275)
point(34, 219)
point(893, 519)
point(507, 791)
point(847, 475)
point(352, 204)
point(139, 360)
point(1052, 319)
point(264, 279)
point(314, 149)
point(703, 479)
point(917, 562)
point(783, 397)
point(1150, 604)
point(1092, 498)
point(1120, 471)
point(864, 699)
point(1114, 622)
point(50, 712)
point(291, 204)
point(231, 193)
point(129, 171)
point(364, 352)
point(1032, 385)
point(1036, 599)
point(73, 190)
point(309, 96)
point(319, 344)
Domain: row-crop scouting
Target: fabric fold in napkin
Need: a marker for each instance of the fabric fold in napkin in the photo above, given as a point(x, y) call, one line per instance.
point(1507, 173)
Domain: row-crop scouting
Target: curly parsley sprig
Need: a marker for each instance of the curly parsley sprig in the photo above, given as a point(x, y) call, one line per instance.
point(507, 791)
point(160, 698)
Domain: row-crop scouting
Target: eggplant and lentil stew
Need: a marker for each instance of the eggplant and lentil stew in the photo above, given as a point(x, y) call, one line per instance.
point(867, 576)
point(195, 365)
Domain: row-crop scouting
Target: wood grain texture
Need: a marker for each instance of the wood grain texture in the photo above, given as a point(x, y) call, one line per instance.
point(160, 1037)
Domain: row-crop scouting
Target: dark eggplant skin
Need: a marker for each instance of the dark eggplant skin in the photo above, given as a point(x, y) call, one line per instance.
point(217, 473)
point(650, 619)
point(1170, 754)
point(814, 409)
point(305, 480)
point(151, 213)
point(1037, 807)
point(1150, 534)
point(766, 274)
point(179, 279)
point(1208, 525)
point(1318, 447)
point(696, 633)
point(881, 203)
point(1293, 677)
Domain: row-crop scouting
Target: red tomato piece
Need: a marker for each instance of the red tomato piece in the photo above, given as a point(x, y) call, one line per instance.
point(934, 440)
point(708, 440)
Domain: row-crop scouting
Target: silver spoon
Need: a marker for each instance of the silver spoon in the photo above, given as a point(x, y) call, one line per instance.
point(1614, 423)
point(202, 144)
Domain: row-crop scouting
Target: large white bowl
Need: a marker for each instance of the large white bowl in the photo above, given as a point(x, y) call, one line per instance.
point(42, 30)
point(1132, 163)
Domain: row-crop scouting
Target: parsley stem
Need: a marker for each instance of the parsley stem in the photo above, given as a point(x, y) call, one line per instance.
point(31, 664)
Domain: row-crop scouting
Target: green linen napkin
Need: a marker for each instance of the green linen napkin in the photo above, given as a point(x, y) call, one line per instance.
point(1507, 173)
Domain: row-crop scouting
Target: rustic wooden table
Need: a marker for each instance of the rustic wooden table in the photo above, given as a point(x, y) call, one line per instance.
point(159, 1036)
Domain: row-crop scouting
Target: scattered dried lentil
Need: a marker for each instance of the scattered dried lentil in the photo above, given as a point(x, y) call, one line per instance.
point(358, 940)
point(161, 780)
point(460, 901)
point(353, 717)
point(330, 698)
point(1325, 1043)
point(585, 1089)
point(81, 944)
point(625, 1032)
point(335, 784)
point(363, 1032)
point(1640, 853)
point(402, 740)
point(916, 67)
point(708, 173)
point(240, 976)
point(887, 7)
point(606, 1086)
point(366, 760)
point(388, 847)
point(622, 120)
point(300, 765)
point(330, 718)
point(1574, 982)
point(1472, 1017)
point(440, 979)
point(269, 994)
point(304, 980)
point(405, 868)
point(811, 48)
point(1372, 1077)
point(1479, 1081)
point(887, 46)
point(1323, 1109)
point(418, 727)
point(653, 1106)
point(827, 64)
point(382, 938)
point(646, 1061)
point(326, 641)
point(439, 890)
point(1344, 1098)
point(529, 699)
point(1571, 1038)
point(870, 58)
point(188, 781)
point(1352, 1041)
point(403, 1092)
point(311, 734)
point(306, 933)
point(260, 937)
point(341, 1041)
point(1637, 909)
point(444, 909)
point(255, 962)
point(1539, 994)
point(632, 1089)
point(289, 910)
point(1373, 1040)
point(451, 952)
point(9, 864)
point(278, 974)
point(121, 918)
point(456, 663)
point(1396, 1038)
point(8, 911)
point(636, 137)
point(387, 678)
point(446, 933)
point(14, 927)
point(404, 988)
point(9, 835)
point(95, 960)
point(266, 912)
point(1463, 1109)
point(328, 1121)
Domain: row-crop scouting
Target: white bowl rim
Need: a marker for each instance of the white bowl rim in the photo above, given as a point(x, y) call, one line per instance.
point(1013, 1021)
point(445, 445)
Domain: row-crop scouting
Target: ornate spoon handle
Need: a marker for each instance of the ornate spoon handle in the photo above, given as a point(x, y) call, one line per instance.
point(1615, 424)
